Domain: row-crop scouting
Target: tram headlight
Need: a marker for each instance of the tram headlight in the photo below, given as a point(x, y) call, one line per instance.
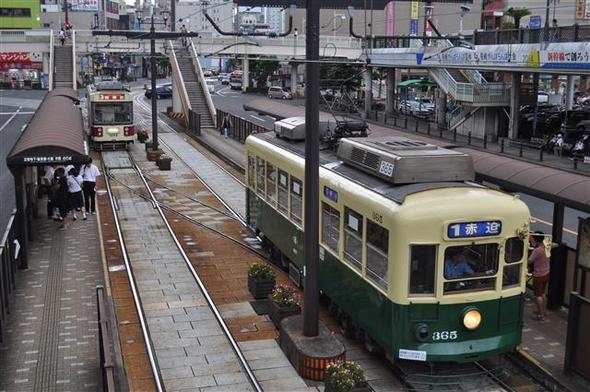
point(471, 319)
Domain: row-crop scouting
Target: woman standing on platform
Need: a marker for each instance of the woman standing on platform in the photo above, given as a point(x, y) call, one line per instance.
point(75, 193)
point(539, 262)
point(60, 195)
point(89, 173)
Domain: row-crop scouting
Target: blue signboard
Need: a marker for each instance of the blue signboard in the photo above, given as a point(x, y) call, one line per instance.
point(474, 229)
point(414, 27)
point(331, 194)
point(534, 22)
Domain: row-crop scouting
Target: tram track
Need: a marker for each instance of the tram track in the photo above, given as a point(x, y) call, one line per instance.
point(115, 202)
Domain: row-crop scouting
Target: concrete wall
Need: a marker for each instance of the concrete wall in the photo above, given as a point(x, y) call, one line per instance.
point(483, 122)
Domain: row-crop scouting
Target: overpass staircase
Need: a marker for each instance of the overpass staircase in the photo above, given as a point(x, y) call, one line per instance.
point(63, 67)
point(470, 90)
point(189, 81)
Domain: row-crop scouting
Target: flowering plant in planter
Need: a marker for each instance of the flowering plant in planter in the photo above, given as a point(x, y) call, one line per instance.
point(142, 135)
point(284, 296)
point(261, 271)
point(261, 280)
point(344, 376)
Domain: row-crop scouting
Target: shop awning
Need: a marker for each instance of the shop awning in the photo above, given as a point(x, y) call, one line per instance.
point(55, 134)
point(416, 83)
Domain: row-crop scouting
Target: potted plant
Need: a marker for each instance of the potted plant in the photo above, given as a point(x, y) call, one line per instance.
point(261, 280)
point(142, 135)
point(284, 303)
point(345, 376)
point(164, 162)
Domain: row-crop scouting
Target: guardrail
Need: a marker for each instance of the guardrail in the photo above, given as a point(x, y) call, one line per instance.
point(576, 358)
point(240, 128)
point(51, 59)
point(574, 33)
point(107, 366)
point(74, 69)
point(184, 100)
point(29, 36)
point(201, 76)
point(8, 261)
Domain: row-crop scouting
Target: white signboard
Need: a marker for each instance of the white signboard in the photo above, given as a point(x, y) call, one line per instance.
point(412, 355)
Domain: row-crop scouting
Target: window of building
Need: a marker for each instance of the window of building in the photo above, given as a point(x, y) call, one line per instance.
point(513, 250)
point(422, 269)
point(353, 239)
point(377, 248)
point(296, 200)
point(271, 183)
point(330, 226)
point(15, 12)
point(260, 188)
point(466, 262)
point(283, 196)
point(251, 172)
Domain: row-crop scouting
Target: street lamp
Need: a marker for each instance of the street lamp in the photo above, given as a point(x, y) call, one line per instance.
point(296, 35)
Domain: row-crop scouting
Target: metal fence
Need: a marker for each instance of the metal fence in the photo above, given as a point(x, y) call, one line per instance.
point(574, 33)
point(578, 338)
point(194, 122)
point(106, 362)
point(8, 264)
point(239, 128)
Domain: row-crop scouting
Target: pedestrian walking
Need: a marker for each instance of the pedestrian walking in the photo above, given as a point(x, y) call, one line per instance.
point(62, 37)
point(539, 262)
point(74, 181)
point(558, 146)
point(183, 39)
point(48, 189)
point(226, 125)
point(89, 173)
point(61, 199)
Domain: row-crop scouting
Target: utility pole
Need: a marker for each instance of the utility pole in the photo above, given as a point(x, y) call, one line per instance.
point(312, 177)
point(546, 29)
point(66, 12)
point(153, 80)
point(173, 15)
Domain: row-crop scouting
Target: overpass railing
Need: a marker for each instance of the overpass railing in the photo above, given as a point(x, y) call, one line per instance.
point(184, 100)
point(51, 59)
point(28, 36)
point(574, 33)
point(201, 77)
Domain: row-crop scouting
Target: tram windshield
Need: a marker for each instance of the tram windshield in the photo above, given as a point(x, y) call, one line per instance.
point(112, 113)
point(466, 265)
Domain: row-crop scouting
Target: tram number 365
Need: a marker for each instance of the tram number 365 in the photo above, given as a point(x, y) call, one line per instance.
point(444, 335)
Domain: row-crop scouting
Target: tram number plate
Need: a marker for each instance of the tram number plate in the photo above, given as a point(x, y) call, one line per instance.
point(444, 335)
point(386, 168)
point(412, 355)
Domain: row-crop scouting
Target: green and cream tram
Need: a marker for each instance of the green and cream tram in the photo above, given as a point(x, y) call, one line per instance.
point(110, 114)
point(420, 260)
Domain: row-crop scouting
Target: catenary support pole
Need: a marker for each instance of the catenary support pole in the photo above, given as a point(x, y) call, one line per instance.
point(312, 157)
point(390, 96)
point(154, 93)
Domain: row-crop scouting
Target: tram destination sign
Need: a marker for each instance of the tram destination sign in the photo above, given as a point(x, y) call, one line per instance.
point(333, 4)
point(474, 229)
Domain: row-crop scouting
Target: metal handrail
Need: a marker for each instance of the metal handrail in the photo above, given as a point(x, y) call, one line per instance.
point(201, 76)
point(51, 59)
point(74, 76)
point(186, 103)
point(106, 361)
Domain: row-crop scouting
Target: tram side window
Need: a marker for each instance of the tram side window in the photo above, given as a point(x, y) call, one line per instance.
point(283, 192)
point(260, 176)
point(377, 250)
point(330, 226)
point(463, 263)
point(513, 253)
point(422, 269)
point(251, 172)
point(353, 239)
point(271, 183)
point(296, 199)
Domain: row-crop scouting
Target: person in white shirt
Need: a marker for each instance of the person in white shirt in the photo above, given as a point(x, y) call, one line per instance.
point(47, 186)
point(89, 172)
point(75, 192)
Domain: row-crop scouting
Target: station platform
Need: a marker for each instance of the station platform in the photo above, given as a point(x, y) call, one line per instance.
point(544, 342)
point(51, 336)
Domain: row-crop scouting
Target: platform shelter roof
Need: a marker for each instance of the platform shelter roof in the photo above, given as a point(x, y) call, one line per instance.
point(55, 134)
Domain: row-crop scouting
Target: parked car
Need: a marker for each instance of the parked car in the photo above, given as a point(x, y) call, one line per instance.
point(416, 107)
point(210, 85)
point(162, 91)
point(207, 73)
point(583, 100)
point(279, 93)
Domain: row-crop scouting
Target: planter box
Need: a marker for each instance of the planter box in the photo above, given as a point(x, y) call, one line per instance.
point(277, 313)
point(148, 146)
point(164, 164)
point(359, 388)
point(260, 289)
point(154, 155)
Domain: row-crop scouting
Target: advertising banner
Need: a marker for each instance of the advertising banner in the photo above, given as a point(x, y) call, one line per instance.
point(84, 5)
point(390, 15)
point(414, 10)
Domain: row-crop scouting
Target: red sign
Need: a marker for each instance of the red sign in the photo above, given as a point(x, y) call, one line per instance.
point(15, 57)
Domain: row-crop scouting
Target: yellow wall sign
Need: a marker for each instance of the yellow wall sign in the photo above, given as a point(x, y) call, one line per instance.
point(414, 9)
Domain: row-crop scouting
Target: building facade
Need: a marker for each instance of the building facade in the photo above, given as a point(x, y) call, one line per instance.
point(20, 14)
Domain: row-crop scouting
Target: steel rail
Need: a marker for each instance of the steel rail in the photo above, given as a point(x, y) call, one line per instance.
point(252, 378)
point(192, 220)
point(134, 290)
point(492, 376)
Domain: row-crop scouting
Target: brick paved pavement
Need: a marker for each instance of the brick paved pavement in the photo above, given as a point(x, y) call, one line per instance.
point(51, 337)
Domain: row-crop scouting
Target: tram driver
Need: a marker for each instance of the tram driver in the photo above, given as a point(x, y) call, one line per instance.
point(456, 264)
